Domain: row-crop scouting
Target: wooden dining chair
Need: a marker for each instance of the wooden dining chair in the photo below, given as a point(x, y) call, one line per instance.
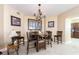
point(11, 47)
point(41, 42)
point(58, 37)
point(31, 40)
point(21, 37)
point(49, 38)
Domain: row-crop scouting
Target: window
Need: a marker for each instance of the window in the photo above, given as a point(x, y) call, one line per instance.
point(34, 24)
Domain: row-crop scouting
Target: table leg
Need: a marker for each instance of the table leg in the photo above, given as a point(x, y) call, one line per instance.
point(17, 50)
point(7, 51)
point(54, 39)
point(61, 39)
point(45, 44)
point(57, 40)
point(37, 46)
point(18, 44)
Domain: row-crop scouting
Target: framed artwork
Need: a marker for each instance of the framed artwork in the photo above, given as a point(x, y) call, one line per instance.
point(15, 21)
point(50, 23)
point(34, 24)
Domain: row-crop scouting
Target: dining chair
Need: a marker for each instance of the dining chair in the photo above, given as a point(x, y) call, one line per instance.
point(11, 47)
point(41, 42)
point(21, 37)
point(31, 41)
point(58, 37)
point(49, 38)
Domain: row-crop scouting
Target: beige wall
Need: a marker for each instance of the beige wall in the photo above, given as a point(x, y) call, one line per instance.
point(1, 26)
point(53, 29)
point(8, 12)
point(74, 12)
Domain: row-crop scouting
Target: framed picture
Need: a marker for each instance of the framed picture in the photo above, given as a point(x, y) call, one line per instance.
point(15, 21)
point(50, 23)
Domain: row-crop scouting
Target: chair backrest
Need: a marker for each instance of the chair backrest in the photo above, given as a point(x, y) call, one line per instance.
point(31, 35)
point(59, 33)
point(49, 34)
point(18, 33)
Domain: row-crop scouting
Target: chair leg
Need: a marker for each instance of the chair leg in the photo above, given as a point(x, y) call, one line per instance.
point(51, 39)
point(57, 40)
point(48, 42)
point(17, 51)
point(27, 48)
point(23, 42)
point(51, 43)
point(54, 39)
point(18, 42)
point(7, 51)
point(37, 49)
point(61, 39)
point(45, 45)
point(37, 46)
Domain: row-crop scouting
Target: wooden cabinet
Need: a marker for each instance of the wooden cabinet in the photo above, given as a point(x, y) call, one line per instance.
point(75, 30)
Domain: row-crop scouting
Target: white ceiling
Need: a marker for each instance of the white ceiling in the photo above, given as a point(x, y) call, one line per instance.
point(48, 9)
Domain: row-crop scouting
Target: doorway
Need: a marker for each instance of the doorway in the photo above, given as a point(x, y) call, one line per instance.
point(68, 31)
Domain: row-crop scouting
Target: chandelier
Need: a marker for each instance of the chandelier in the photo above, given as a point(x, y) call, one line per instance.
point(39, 16)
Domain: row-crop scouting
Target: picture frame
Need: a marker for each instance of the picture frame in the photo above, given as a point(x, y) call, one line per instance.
point(50, 23)
point(15, 21)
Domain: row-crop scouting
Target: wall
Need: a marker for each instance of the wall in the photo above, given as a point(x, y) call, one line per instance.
point(53, 29)
point(25, 23)
point(1, 26)
point(68, 30)
point(74, 12)
point(8, 11)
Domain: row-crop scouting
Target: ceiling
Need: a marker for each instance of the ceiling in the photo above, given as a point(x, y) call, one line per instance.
point(47, 9)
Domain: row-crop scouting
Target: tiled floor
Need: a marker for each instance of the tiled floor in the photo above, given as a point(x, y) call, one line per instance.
point(57, 49)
